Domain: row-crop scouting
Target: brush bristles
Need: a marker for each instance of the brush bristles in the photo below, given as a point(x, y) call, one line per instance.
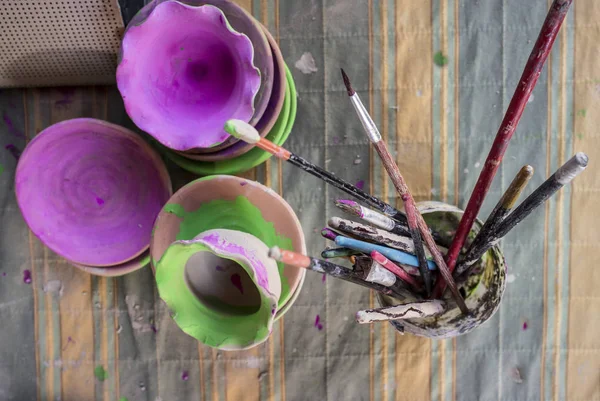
point(349, 207)
point(275, 253)
point(349, 88)
point(242, 130)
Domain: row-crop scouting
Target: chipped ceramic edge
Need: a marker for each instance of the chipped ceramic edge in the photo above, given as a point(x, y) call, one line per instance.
point(264, 269)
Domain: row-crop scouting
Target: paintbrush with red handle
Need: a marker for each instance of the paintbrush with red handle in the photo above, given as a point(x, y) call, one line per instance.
point(531, 73)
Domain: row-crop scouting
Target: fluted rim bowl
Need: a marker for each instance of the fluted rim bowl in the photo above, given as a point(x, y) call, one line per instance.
point(183, 72)
point(268, 120)
point(90, 191)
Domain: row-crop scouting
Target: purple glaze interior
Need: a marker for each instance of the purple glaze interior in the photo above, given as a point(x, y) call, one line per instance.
point(90, 191)
point(184, 72)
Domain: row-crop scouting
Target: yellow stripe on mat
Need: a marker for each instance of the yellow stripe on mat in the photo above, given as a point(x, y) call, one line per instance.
point(583, 358)
point(414, 63)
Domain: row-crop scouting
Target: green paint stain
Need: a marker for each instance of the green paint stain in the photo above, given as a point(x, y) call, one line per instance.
point(100, 373)
point(1, 168)
point(123, 399)
point(439, 59)
point(209, 320)
point(582, 112)
point(580, 135)
point(240, 215)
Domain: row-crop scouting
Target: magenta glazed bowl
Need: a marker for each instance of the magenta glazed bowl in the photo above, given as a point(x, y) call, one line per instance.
point(90, 191)
point(183, 72)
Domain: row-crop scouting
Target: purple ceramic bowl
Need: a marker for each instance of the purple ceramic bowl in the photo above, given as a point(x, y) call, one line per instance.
point(90, 191)
point(184, 71)
point(270, 116)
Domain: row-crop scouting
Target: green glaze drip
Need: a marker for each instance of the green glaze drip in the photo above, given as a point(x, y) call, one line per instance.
point(240, 215)
point(100, 373)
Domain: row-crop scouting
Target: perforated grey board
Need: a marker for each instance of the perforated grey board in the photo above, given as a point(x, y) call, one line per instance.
point(59, 42)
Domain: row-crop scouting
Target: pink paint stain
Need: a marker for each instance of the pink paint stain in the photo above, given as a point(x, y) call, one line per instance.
point(67, 97)
point(220, 268)
point(524, 325)
point(318, 324)
point(336, 140)
point(243, 183)
point(236, 280)
point(16, 153)
point(69, 340)
point(11, 128)
point(153, 328)
point(99, 201)
point(323, 278)
point(185, 376)
point(360, 184)
point(27, 276)
point(3, 274)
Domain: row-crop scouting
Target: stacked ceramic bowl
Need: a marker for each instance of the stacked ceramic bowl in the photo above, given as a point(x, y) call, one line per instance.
point(90, 191)
point(209, 249)
point(186, 68)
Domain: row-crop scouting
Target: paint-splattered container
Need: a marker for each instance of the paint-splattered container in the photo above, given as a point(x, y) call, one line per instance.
point(221, 287)
point(234, 203)
point(482, 289)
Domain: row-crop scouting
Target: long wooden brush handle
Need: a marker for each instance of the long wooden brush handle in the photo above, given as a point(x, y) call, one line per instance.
point(531, 73)
point(416, 222)
point(343, 185)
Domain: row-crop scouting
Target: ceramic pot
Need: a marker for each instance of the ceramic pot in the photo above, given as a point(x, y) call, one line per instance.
point(482, 289)
point(183, 72)
point(268, 119)
point(228, 202)
point(90, 191)
point(221, 287)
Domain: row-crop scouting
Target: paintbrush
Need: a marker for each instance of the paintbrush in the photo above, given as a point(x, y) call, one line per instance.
point(339, 253)
point(379, 220)
point(396, 270)
point(391, 253)
point(416, 224)
point(374, 235)
point(247, 133)
point(407, 311)
point(394, 173)
point(564, 175)
point(502, 208)
point(329, 234)
point(371, 234)
point(322, 266)
point(531, 73)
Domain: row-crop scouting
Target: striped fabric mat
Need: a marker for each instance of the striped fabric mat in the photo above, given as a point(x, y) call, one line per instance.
point(437, 75)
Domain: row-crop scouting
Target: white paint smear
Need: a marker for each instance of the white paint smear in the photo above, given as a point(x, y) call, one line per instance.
point(307, 64)
point(510, 278)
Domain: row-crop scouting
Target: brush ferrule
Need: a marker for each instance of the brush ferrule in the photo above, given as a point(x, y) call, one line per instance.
point(377, 219)
point(365, 119)
point(378, 274)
